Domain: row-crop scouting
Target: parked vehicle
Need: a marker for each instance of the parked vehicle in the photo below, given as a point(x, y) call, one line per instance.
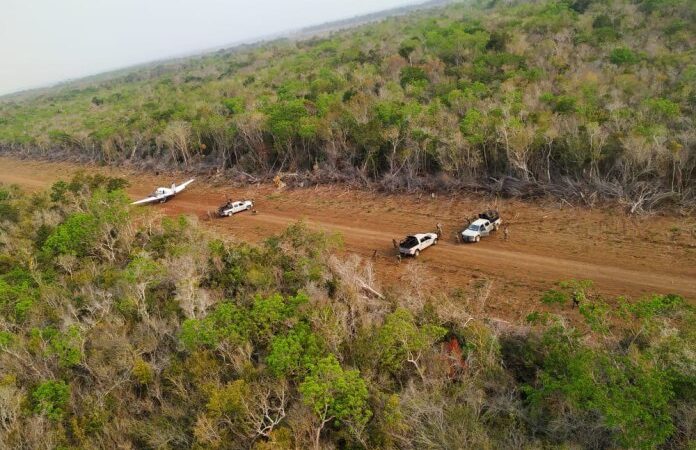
point(413, 245)
point(487, 222)
point(231, 207)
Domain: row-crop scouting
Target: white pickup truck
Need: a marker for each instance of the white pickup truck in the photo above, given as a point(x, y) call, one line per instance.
point(413, 245)
point(487, 221)
point(230, 207)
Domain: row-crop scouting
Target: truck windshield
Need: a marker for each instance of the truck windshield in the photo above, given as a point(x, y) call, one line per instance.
point(473, 227)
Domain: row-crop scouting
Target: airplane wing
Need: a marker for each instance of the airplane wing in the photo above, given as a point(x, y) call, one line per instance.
point(147, 200)
point(182, 186)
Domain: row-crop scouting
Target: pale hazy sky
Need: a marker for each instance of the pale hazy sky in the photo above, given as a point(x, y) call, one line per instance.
point(46, 41)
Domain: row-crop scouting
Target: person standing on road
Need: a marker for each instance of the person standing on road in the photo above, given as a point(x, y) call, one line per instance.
point(439, 230)
point(506, 232)
point(395, 244)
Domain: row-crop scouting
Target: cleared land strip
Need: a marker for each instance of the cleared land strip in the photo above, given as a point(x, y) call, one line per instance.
point(534, 261)
point(502, 263)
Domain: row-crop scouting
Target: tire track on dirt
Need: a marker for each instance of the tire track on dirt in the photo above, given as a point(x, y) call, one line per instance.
point(528, 265)
point(462, 256)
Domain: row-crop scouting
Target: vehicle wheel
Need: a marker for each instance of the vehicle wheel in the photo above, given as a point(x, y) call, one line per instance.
point(477, 238)
point(416, 254)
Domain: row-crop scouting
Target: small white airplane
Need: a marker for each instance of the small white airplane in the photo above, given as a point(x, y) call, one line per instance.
point(162, 194)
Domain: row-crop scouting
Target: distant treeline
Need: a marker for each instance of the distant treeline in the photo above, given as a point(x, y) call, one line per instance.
point(575, 93)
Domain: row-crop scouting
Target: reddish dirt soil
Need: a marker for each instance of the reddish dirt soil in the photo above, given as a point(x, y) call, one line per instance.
point(548, 241)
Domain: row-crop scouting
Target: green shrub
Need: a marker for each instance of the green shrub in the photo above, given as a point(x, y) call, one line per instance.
point(412, 75)
point(336, 394)
point(17, 293)
point(266, 317)
point(292, 354)
point(663, 108)
point(603, 21)
point(562, 104)
point(66, 346)
point(8, 212)
point(407, 47)
point(226, 323)
point(142, 371)
point(656, 305)
point(596, 315)
point(553, 296)
point(228, 400)
point(565, 104)
point(623, 56)
point(472, 126)
point(50, 398)
point(498, 41)
point(270, 314)
point(235, 105)
point(74, 237)
point(6, 339)
point(390, 113)
point(401, 339)
point(630, 396)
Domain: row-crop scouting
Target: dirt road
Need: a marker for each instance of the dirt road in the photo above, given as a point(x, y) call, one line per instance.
point(548, 243)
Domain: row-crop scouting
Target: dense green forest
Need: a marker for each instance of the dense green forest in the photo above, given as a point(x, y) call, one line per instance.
point(575, 92)
point(119, 329)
